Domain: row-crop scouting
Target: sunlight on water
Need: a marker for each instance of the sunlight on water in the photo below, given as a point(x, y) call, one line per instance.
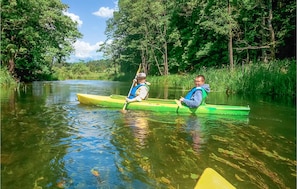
point(49, 140)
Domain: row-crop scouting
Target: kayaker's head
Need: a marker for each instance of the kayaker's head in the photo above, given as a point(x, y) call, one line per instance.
point(141, 77)
point(199, 80)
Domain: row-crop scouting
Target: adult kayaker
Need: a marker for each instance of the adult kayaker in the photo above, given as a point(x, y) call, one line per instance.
point(141, 89)
point(197, 95)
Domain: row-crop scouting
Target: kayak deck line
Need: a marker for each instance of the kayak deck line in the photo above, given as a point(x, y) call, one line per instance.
point(160, 105)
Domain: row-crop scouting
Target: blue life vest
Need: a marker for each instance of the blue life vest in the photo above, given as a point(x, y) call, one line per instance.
point(193, 90)
point(135, 88)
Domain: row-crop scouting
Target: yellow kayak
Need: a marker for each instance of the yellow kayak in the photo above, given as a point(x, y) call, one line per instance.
point(210, 179)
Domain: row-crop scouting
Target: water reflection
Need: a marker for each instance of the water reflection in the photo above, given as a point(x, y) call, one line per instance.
point(194, 128)
point(161, 150)
point(138, 123)
point(31, 153)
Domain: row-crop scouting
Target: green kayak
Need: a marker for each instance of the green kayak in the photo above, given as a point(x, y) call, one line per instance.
point(160, 105)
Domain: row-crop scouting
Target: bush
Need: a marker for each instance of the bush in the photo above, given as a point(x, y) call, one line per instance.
point(5, 78)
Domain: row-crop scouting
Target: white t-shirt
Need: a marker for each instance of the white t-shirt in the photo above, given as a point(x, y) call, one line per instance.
point(141, 93)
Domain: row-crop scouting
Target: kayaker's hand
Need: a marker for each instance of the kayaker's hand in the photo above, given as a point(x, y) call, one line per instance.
point(181, 99)
point(134, 80)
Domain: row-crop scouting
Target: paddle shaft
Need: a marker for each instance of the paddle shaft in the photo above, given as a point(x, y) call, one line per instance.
point(139, 68)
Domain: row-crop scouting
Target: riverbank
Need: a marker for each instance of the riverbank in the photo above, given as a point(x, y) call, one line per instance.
point(6, 79)
point(273, 78)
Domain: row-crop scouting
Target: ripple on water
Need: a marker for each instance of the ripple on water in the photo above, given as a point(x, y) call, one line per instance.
point(250, 152)
point(87, 135)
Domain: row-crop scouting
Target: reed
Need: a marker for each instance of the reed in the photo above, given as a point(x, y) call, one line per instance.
point(273, 78)
point(5, 78)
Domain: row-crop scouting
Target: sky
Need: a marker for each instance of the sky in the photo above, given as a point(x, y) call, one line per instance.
point(91, 16)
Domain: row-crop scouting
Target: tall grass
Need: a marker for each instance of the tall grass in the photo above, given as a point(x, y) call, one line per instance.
point(5, 78)
point(274, 78)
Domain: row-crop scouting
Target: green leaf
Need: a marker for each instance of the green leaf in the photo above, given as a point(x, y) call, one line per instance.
point(194, 176)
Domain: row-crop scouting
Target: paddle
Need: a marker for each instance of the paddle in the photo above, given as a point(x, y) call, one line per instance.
point(178, 105)
point(125, 105)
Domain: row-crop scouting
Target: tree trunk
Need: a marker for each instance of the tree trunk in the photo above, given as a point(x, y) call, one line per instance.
point(143, 60)
point(156, 60)
point(11, 66)
point(145, 50)
point(166, 72)
point(147, 62)
point(264, 53)
point(271, 31)
point(115, 66)
point(230, 47)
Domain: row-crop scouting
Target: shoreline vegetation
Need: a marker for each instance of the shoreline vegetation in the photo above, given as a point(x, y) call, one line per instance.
point(6, 80)
point(272, 78)
point(246, 47)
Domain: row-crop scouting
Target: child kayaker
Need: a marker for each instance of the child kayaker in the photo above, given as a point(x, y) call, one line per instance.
point(141, 89)
point(197, 95)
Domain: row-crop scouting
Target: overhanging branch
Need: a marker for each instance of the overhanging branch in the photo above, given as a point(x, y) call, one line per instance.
point(252, 48)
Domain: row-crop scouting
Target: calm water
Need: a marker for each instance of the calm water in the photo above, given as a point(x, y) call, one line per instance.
point(49, 140)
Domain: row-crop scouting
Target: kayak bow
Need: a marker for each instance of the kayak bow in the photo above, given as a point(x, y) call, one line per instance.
point(160, 105)
point(210, 179)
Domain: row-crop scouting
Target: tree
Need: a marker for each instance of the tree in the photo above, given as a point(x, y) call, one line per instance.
point(182, 36)
point(139, 34)
point(32, 32)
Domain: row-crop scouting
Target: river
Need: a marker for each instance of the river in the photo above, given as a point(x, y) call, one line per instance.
point(50, 140)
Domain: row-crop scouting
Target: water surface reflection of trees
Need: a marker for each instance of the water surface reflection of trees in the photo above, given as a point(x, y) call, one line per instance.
point(31, 131)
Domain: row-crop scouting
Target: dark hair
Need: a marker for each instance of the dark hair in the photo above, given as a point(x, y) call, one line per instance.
point(201, 76)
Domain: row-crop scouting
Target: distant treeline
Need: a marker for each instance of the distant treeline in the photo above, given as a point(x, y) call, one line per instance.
point(95, 69)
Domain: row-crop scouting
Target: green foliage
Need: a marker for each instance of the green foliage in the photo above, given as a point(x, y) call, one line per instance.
point(139, 34)
point(273, 78)
point(34, 34)
point(5, 78)
point(184, 36)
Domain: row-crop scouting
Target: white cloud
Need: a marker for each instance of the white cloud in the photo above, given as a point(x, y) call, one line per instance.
point(74, 18)
point(109, 41)
point(86, 50)
point(104, 12)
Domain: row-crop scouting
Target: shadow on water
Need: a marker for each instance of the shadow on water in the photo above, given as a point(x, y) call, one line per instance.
point(49, 140)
